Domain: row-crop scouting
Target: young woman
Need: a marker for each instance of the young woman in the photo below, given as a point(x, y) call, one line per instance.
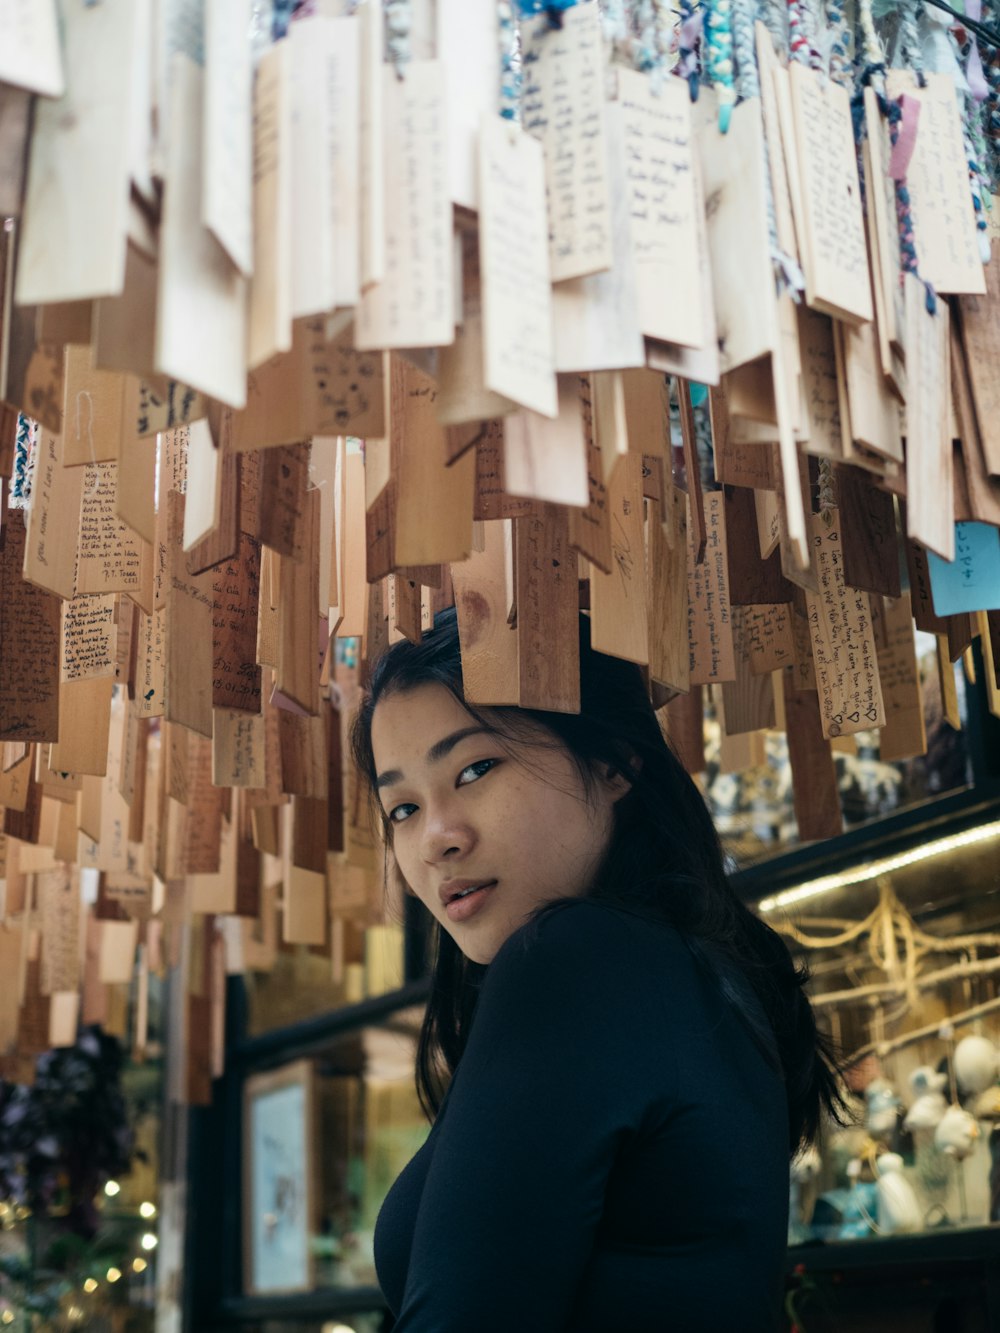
point(617, 1055)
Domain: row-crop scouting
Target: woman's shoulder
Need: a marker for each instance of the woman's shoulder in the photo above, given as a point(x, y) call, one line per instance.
point(593, 931)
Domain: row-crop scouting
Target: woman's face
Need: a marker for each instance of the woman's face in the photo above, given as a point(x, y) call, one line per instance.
point(463, 811)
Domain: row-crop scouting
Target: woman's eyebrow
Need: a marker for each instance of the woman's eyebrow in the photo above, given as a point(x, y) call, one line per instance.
point(438, 751)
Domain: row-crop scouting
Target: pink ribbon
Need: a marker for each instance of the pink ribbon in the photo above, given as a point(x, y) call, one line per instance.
point(902, 149)
point(978, 86)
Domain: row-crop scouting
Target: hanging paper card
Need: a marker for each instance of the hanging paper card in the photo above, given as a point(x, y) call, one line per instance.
point(467, 42)
point(53, 520)
point(736, 211)
point(944, 220)
point(462, 395)
point(227, 155)
point(75, 213)
point(548, 620)
point(89, 638)
point(30, 56)
point(546, 459)
point(596, 318)
point(514, 266)
point(904, 734)
point(831, 228)
point(29, 646)
point(843, 644)
point(819, 385)
point(970, 582)
point(563, 106)
point(618, 614)
point(270, 315)
point(414, 304)
point(658, 156)
point(201, 307)
point(929, 457)
point(112, 558)
point(710, 626)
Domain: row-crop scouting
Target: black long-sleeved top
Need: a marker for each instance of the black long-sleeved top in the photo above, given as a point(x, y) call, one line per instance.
point(611, 1154)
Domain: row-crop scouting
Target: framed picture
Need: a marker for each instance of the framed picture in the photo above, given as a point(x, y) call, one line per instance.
point(279, 1186)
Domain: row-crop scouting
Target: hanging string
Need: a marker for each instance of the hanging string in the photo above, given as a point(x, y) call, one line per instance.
point(398, 26)
point(720, 58)
point(909, 51)
point(839, 37)
point(744, 52)
point(25, 448)
point(688, 65)
point(510, 63)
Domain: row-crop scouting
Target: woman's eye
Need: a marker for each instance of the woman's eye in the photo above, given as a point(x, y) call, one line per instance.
point(478, 769)
point(395, 817)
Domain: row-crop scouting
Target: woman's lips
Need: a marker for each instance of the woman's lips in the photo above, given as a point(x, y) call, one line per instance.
point(460, 909)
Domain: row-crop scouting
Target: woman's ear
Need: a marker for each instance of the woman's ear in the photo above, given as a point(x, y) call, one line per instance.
point(618, 783)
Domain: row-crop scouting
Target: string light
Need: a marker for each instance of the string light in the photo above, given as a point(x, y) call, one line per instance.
point(883, 867)
point(147, 1209)
point(114, 1274)
point(139, 1265)
point(90, 1286)
point(112, 1188)
point(148, 1241)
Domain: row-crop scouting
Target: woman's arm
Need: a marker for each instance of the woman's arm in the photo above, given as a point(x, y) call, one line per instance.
point(553, 1082)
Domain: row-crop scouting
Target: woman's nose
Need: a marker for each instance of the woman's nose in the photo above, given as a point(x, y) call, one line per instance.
point(446, 839)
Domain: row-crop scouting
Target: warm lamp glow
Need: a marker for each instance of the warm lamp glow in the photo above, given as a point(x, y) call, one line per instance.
point(147, 1209)
point(114, 1274)
point(883, 867)
point(148, 1241)
point(112, 1188)
point(90, 1285)
point(139, 1265)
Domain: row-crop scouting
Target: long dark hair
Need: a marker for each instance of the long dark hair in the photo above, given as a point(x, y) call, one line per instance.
point(663, 862)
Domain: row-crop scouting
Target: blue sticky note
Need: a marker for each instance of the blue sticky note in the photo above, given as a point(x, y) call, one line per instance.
point(970, 582)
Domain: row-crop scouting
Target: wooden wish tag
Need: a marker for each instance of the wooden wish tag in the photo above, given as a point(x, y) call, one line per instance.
point(753, 579)
point(944, 220)
point(84, 725)
point(929, 458)
point(124, 336)
point(618, 599)
point(596, 318)
point(227, 190)
point(821, 400)
point(545, 459)
point(301, 642)
point(201, 312)
point(831, 226)
point(904, 734)
point(710, 627)
point(135, 495)
point(983, 489)
point(236, 674)
point(283, 484)
point(112, 557)
point(873, 409)
point(15, 129)
point(883, 230)
point(843, 644)
point(31, 371)
point(684, 719)
point(238, 748)
point(815, 795)
point(29, 645)
point(428, 505)
point(658, 151)
point(53, 520)
point(462, 395)
point(519, 360)
point(491, 499)
point(763, 633)
point(412, 302)
point(590, 528)
point(667, 590)
point(76, 208)
point(163, 406)
point(979, 324)
point(484, 593)
point(188, 631)
point(565, 109)
point(270, 312)
point(868, 534)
